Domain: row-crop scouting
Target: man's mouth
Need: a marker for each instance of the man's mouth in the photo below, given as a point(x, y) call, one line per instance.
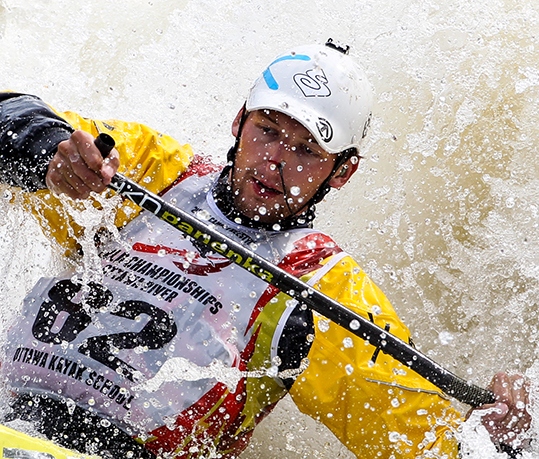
point(264, 188)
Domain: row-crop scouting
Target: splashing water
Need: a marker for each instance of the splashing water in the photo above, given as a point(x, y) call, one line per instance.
point(178, 369)
point(93, 220)
point(443, 213)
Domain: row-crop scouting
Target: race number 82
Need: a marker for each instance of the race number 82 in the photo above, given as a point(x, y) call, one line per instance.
point(158, 331)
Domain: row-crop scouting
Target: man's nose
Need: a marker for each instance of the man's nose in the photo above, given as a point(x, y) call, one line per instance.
point(278, 153)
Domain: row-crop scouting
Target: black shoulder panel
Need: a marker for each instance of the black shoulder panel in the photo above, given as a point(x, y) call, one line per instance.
point(294, 343)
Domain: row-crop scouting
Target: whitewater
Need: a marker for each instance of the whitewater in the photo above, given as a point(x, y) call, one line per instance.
point(443, 213)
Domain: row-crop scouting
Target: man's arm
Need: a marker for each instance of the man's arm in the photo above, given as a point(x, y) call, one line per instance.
point(40, 149)
point(43, 150)
point(372, 403)
point(29, 136)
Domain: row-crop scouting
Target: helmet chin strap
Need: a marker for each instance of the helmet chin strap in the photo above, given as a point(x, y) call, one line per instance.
point(317, 197)
point(280, 166)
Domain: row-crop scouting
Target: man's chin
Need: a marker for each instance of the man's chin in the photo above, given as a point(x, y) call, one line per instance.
point(267, 218)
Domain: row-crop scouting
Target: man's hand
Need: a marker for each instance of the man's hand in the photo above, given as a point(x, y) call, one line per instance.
point(78, 168)
point(509, 416)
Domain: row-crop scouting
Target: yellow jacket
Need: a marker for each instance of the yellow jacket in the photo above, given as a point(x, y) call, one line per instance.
point(382, 408)
point(146, 156)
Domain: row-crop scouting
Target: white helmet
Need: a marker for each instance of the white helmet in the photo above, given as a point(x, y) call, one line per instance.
point(322, 88)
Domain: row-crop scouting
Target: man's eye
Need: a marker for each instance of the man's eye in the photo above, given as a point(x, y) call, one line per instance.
point(307, 150)
point(268, 130)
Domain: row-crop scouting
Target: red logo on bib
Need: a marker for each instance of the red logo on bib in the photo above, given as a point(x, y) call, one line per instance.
point(188, 261)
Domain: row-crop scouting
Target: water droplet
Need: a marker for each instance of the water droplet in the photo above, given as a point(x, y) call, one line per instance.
point(354, 325)
point(262, 210)
point(105, 422)
point(347, 342)
point(323, 325)
point(445, 338)
point(272, 372)
point(295, 190)
point(203, 215)
point(299, 168)
point(291, 303)
point(276, 227)
point(349, 369)
point(394, 437)
point(395, 403)
point(161, 253)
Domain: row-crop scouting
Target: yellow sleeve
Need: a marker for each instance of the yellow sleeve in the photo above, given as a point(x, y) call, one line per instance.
point(380, 409)
point(146, 156)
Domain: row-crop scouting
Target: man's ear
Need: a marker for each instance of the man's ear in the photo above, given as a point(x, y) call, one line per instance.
point(343, 174)
point(237, 121)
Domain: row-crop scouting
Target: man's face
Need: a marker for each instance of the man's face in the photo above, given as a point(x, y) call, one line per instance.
point(278, 168)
